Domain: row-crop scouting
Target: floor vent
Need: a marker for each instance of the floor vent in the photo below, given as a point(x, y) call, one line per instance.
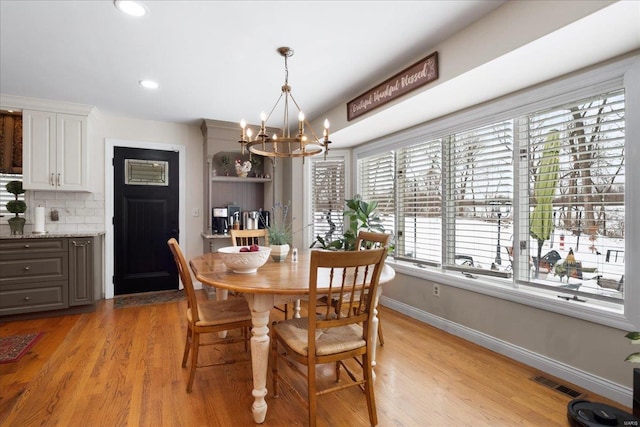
point(555, 386)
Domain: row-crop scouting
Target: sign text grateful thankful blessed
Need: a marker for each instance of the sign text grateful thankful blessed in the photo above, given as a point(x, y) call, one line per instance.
point(407, 80)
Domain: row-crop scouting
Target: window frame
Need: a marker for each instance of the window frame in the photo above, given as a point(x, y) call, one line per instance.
point(620, 73)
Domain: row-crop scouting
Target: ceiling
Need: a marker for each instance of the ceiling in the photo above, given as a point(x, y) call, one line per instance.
point(218, 59)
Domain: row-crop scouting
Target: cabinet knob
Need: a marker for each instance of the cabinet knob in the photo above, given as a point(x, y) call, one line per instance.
point(27, 298)
point(27, 268)
point(26, 246)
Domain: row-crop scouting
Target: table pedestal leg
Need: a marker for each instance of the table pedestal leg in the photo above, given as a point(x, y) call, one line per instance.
point(260, 308)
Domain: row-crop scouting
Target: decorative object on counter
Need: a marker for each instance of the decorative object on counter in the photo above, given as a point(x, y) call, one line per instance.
point(285, 145)
point(54, 215)
point(280, 233)
point(243, 168)
point(38, 225)
point(16, 224)
point(242, 260)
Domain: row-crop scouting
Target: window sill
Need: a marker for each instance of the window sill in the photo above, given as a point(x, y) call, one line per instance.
point(594, 311)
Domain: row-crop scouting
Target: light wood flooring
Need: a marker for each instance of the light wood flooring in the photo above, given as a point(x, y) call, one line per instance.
point(121, 367)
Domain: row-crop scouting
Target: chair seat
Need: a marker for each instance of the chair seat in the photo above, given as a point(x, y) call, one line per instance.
point(328, 341)
point(214, 313)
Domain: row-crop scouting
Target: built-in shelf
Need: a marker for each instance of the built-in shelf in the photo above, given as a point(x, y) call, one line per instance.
point(238, 179)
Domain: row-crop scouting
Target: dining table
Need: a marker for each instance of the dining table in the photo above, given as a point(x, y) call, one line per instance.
point(272, 284)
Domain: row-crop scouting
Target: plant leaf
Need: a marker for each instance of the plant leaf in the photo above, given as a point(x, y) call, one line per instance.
point(633, 358)
point(634, 337)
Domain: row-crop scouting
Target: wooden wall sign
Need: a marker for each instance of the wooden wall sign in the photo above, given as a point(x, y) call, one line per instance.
point(417, 75)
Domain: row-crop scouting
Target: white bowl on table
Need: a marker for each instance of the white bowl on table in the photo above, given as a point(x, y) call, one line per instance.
point(244, 262)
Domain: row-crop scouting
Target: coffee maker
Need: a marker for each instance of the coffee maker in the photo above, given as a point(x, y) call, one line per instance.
point(220, 224)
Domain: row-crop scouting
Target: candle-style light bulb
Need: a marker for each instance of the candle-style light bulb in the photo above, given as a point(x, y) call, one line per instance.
point(243, 125)
point(263, 119)
point(301, 125)
point(326, 129)
point(249, 134)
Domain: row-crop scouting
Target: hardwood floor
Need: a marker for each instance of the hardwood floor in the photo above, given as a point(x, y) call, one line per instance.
point(121, 367)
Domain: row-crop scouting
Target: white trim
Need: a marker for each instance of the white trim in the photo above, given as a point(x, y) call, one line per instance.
point(20, 103)
point(109, 150)
point(599, 385)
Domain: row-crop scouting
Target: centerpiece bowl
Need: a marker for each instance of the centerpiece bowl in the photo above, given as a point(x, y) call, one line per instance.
point(244, 262)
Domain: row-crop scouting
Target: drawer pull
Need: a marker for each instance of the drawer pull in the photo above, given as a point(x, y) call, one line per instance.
point(27, 268)
point(27, 298)
point(80, 244)
point(26, 246)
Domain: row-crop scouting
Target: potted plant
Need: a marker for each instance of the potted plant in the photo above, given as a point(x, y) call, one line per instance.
point(635, 358)
point(361, 216)
point(280, 234)
point(16, 207)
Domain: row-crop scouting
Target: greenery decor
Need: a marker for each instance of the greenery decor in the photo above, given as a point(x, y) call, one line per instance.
point(635, 339)
point(361, 215)
point(280, 232)
point(16, 207)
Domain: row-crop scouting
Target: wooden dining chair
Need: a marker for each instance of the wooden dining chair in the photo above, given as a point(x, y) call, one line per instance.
point(249, 237)
point(330, 337)
point(259, 237)
point(208, 317)
point(366, 240)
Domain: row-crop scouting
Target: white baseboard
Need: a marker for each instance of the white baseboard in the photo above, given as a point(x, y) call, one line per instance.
point(601, 386)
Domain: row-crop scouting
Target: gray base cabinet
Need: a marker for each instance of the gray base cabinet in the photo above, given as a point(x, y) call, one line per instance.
point(46, 274)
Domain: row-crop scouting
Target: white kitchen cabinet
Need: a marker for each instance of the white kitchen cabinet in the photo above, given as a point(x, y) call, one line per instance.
point(55, 151)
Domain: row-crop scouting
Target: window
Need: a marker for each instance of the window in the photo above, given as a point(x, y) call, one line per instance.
point(5, 196)
point(522, 198)
point(573, 187)
point(327, 197)
point(378, 173)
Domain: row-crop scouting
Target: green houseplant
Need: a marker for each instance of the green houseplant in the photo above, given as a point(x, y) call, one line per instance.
point(280, 233)
point(360, 215)
point(635, 358)
point(16, 207)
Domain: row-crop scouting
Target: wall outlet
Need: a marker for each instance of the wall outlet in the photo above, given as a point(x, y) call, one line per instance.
point(196, 212)
point(436, 290)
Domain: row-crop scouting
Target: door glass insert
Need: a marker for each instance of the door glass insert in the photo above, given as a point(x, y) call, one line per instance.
point(146, 172)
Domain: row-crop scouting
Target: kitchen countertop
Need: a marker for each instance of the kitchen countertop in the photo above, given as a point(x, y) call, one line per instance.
point(51, 235)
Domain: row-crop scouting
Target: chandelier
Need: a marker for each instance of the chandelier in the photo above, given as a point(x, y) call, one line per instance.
point(286, 144)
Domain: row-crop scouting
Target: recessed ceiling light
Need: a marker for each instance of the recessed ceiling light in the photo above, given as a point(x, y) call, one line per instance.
point(149, 84)
point(132, 8)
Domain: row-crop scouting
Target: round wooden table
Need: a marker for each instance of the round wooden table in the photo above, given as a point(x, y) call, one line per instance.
point(274, 283)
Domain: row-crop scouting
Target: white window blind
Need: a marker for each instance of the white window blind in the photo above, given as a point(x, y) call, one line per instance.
point(377, 185)
point(328, 197)
point(419, 189)
point(586, 207)
point(480, 197)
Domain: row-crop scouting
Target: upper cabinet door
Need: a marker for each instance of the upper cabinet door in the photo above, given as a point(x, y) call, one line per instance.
point(71, 153)
point(55, 151)
point(39, 150)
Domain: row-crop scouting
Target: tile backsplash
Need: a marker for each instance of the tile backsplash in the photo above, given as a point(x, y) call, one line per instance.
point(77, 212)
